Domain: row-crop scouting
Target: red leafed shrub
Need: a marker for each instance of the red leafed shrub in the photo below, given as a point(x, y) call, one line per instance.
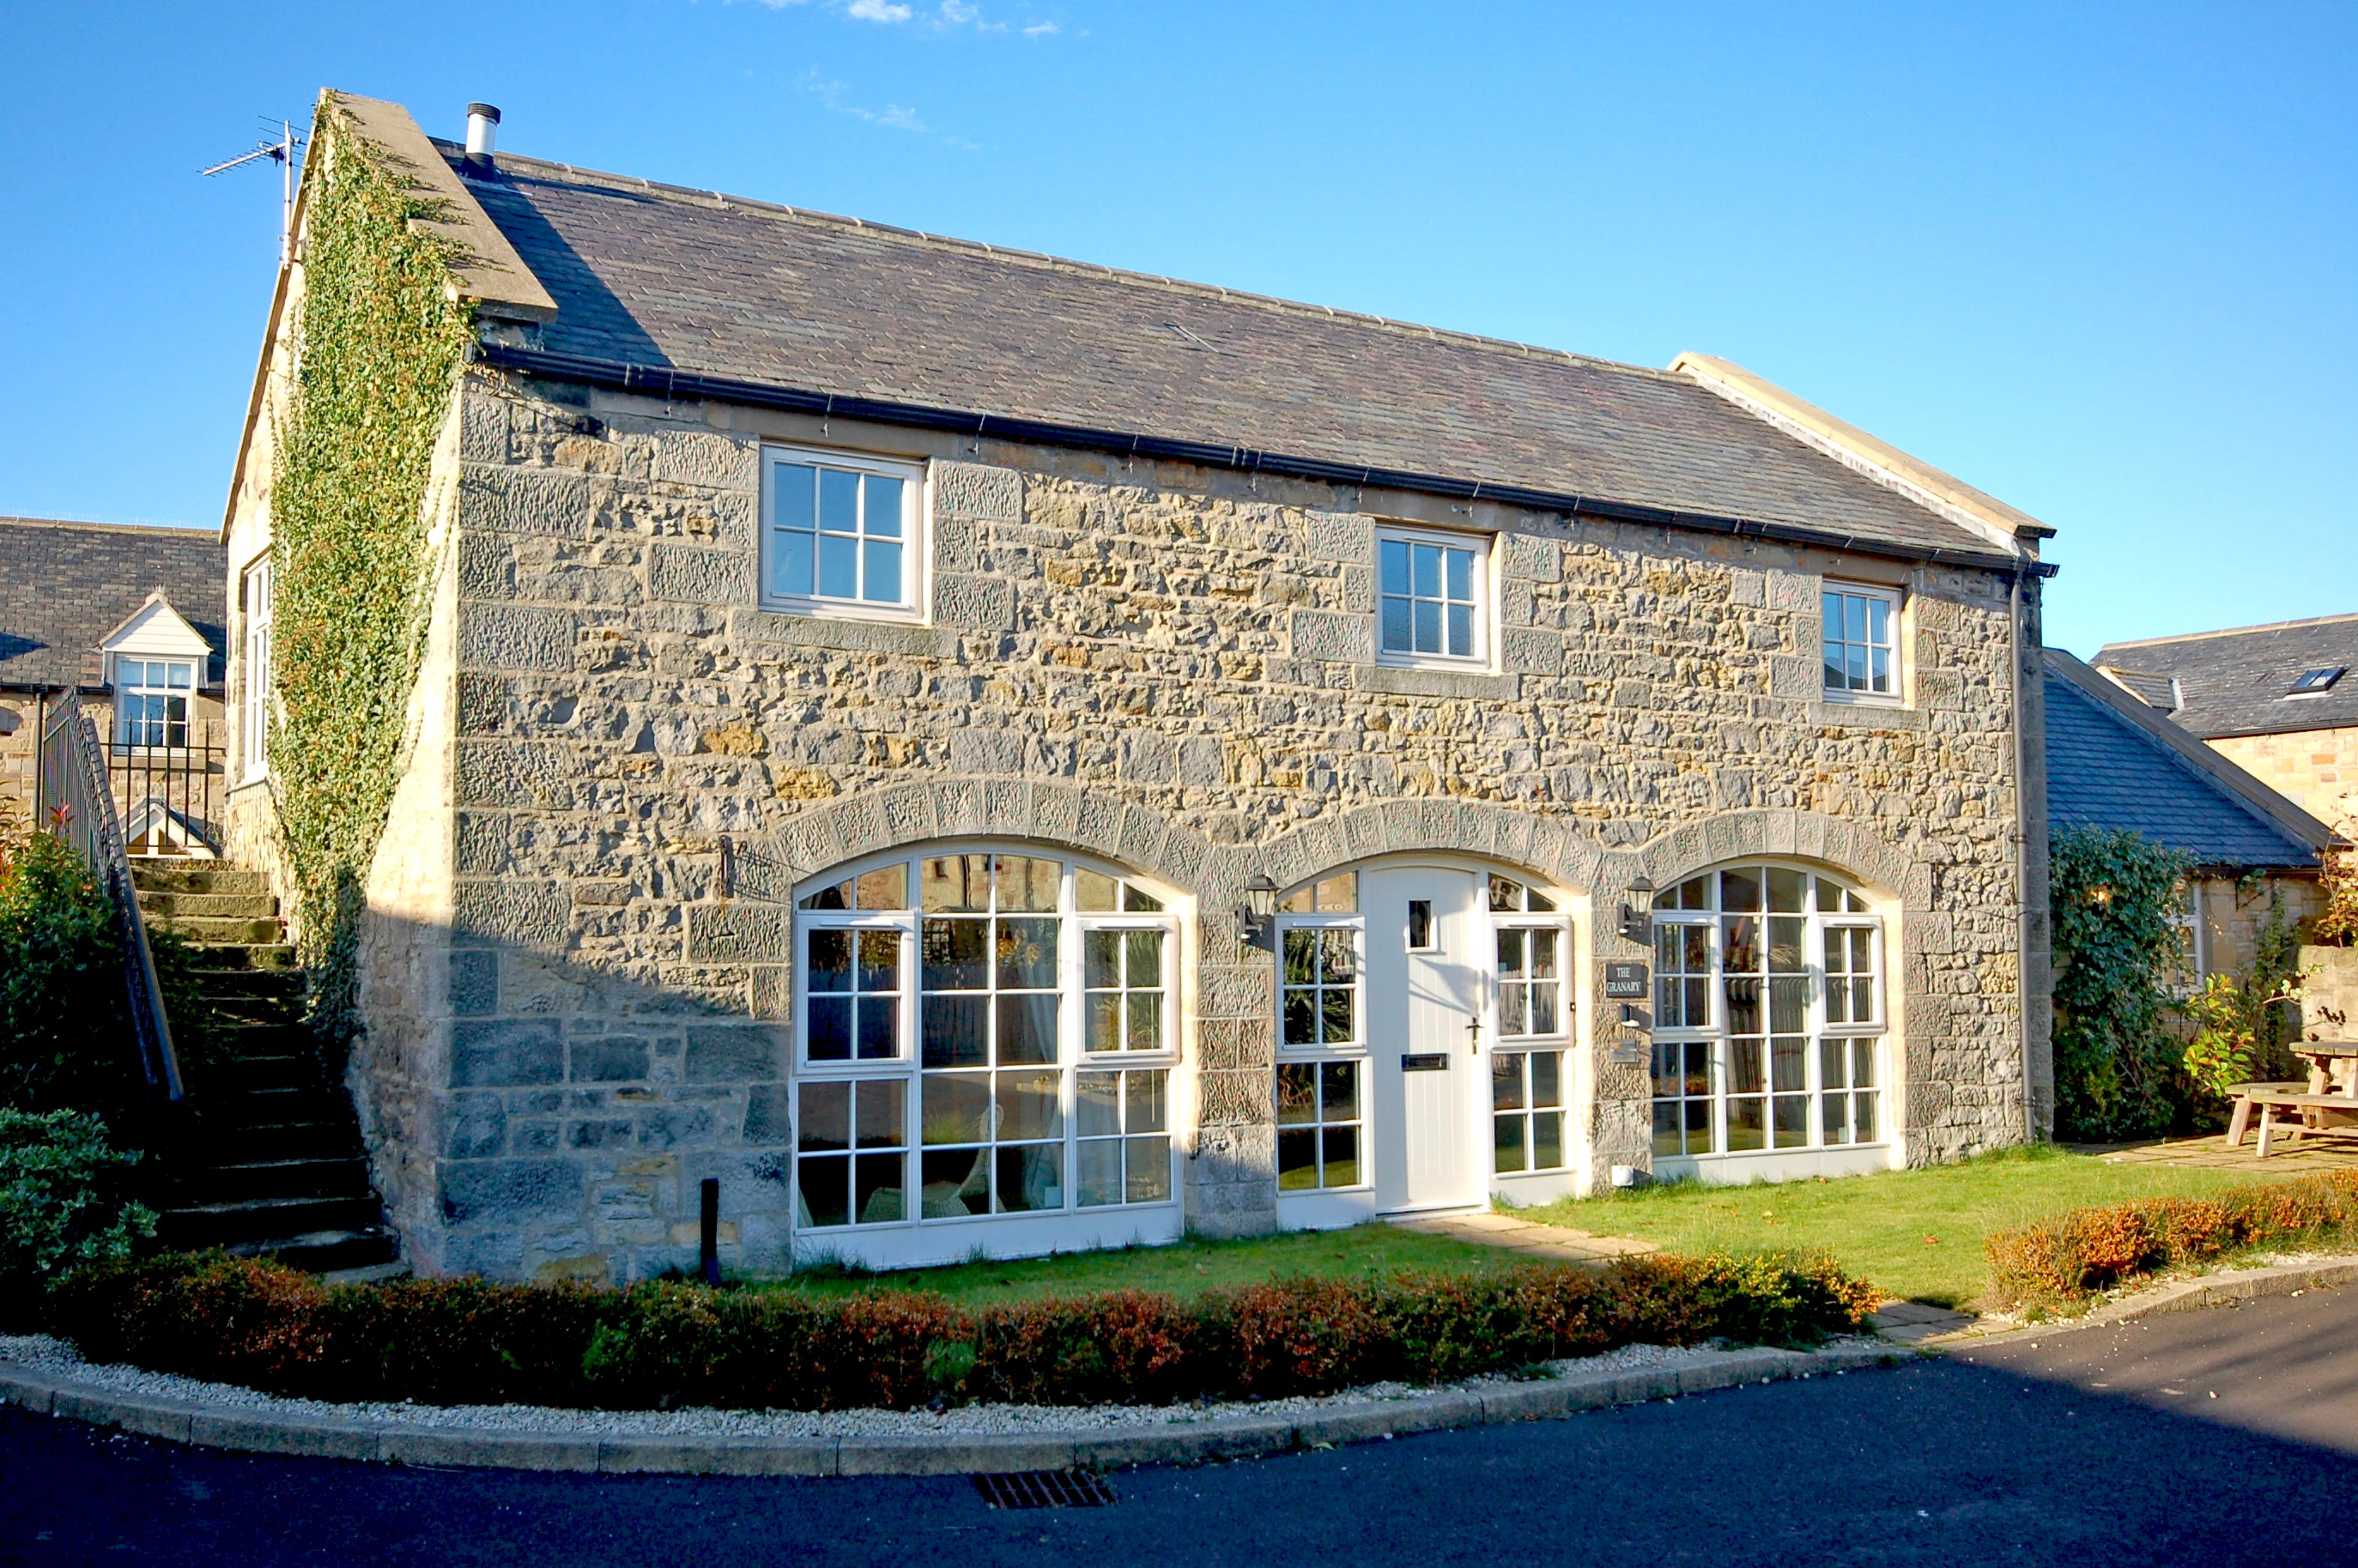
point(1122, 1346)
point(1301, 1337)
point(2067, 1258)
point(669, 1345)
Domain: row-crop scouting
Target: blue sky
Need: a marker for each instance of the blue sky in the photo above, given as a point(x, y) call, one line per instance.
point(2097, 262)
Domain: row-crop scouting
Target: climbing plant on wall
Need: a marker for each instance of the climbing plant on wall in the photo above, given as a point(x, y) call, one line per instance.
point(378, 347)
point(2117, 1069)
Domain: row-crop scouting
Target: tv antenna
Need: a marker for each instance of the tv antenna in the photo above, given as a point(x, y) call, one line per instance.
point(282, 153)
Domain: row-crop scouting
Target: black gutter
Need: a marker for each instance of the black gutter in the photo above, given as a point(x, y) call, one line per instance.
point(667, 383)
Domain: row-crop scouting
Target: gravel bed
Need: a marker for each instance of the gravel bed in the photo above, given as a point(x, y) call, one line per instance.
point(41, 1353)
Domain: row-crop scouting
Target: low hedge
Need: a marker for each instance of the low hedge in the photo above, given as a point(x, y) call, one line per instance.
point(2066, 1259)
point(662, 1345)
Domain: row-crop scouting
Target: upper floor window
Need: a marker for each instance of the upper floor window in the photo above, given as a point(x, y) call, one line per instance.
point(151, 701)
point(1862, 641)
point(840, 534)
point(1432, 597)
point(257, 726)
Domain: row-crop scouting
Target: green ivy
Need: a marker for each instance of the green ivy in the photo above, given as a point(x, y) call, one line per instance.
point(2110, 897)
point(379, 349)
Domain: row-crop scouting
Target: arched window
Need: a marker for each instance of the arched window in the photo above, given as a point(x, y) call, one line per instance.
point(1768, 1014)
point(1004, 1022)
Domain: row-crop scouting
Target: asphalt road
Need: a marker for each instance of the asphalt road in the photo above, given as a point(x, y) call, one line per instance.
point(2095, 1447)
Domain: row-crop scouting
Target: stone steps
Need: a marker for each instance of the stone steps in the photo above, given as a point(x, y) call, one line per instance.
point(158, 906)
point(211, 878)
point(222, 931)
point(271, 1163)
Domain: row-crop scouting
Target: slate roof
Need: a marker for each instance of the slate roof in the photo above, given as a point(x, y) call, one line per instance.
point(667, 278)
point(2113, 762)
point(2233, 682)
point(65, 586)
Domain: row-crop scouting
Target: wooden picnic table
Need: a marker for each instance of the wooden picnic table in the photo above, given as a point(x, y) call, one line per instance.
point(2320, 1105)
point(2328, 1060)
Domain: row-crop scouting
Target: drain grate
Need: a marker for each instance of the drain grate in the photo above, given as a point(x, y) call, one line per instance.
point(1044, 1489)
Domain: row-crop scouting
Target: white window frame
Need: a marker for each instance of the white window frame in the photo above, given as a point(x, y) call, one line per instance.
point(1480, 581)
point(1716, 1036)
point(1317, 1055)
point(254, 740)
point(916, 537)
point(125, 689)
point(1895, 603)
point(1072, 1058)
point(2185, 917)
point(1559, 1040)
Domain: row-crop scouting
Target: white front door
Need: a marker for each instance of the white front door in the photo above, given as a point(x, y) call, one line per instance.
point(1426, 1047)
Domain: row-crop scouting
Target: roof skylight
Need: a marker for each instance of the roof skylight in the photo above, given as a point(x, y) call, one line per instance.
point(2313, 683)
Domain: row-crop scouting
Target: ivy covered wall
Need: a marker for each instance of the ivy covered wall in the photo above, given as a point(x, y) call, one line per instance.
point(377, 347)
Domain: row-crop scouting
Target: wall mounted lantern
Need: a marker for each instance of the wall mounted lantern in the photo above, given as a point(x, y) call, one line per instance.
point(1638, 914)
point(1260, 906)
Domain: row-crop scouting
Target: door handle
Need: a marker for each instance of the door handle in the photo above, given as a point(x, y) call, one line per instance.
point(1474, 1027)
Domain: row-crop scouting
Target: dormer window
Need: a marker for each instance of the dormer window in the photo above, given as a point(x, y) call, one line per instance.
point(151, 701)
point(156, 662)
point(2317, 682)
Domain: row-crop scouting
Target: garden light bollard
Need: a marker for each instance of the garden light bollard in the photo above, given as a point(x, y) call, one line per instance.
point(711, 1229)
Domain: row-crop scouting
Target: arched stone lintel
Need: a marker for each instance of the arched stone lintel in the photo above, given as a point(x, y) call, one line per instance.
point(1840, 846)
point(905, 816)
point(1145, 840)
point(1562, 853)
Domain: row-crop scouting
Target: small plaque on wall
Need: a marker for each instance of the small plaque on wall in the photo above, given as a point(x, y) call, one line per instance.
point(1628, 1053)
point(1626, 981)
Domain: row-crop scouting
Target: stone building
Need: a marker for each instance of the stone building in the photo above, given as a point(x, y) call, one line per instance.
point(977, 753)
point(2116, 764)
point(129, 621)
point(2275, 700)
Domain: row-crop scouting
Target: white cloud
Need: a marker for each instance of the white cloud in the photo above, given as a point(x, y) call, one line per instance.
point(1041, 29)
point(892, 116)
point(877, 11)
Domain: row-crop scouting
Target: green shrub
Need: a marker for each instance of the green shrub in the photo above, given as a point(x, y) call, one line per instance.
point(2065, 1259)
point(58, 1208)
point(2117, 1073)
point(665, 1346)
point(64, 1039)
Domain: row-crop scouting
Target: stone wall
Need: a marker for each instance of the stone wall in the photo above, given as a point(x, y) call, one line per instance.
point(2316, 769)
point(1166, 666)
point(2328, 983)
point(2234, 912)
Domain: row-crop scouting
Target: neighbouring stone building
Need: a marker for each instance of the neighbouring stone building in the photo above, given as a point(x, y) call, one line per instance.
point(126, 620)
point(2275, 700)
point(2116, 764)
point(981, 752)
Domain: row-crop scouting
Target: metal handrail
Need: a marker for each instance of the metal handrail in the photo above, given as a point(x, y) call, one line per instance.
point(76, 805)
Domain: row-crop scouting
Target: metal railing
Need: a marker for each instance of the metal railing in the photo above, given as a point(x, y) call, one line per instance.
point(76, 804)
point(166, 795)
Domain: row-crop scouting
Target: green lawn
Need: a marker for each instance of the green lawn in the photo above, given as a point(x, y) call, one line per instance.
point(1918, 1234)
point(1181, 1269)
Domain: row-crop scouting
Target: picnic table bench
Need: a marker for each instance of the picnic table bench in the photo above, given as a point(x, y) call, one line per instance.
point(2314, 1107)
